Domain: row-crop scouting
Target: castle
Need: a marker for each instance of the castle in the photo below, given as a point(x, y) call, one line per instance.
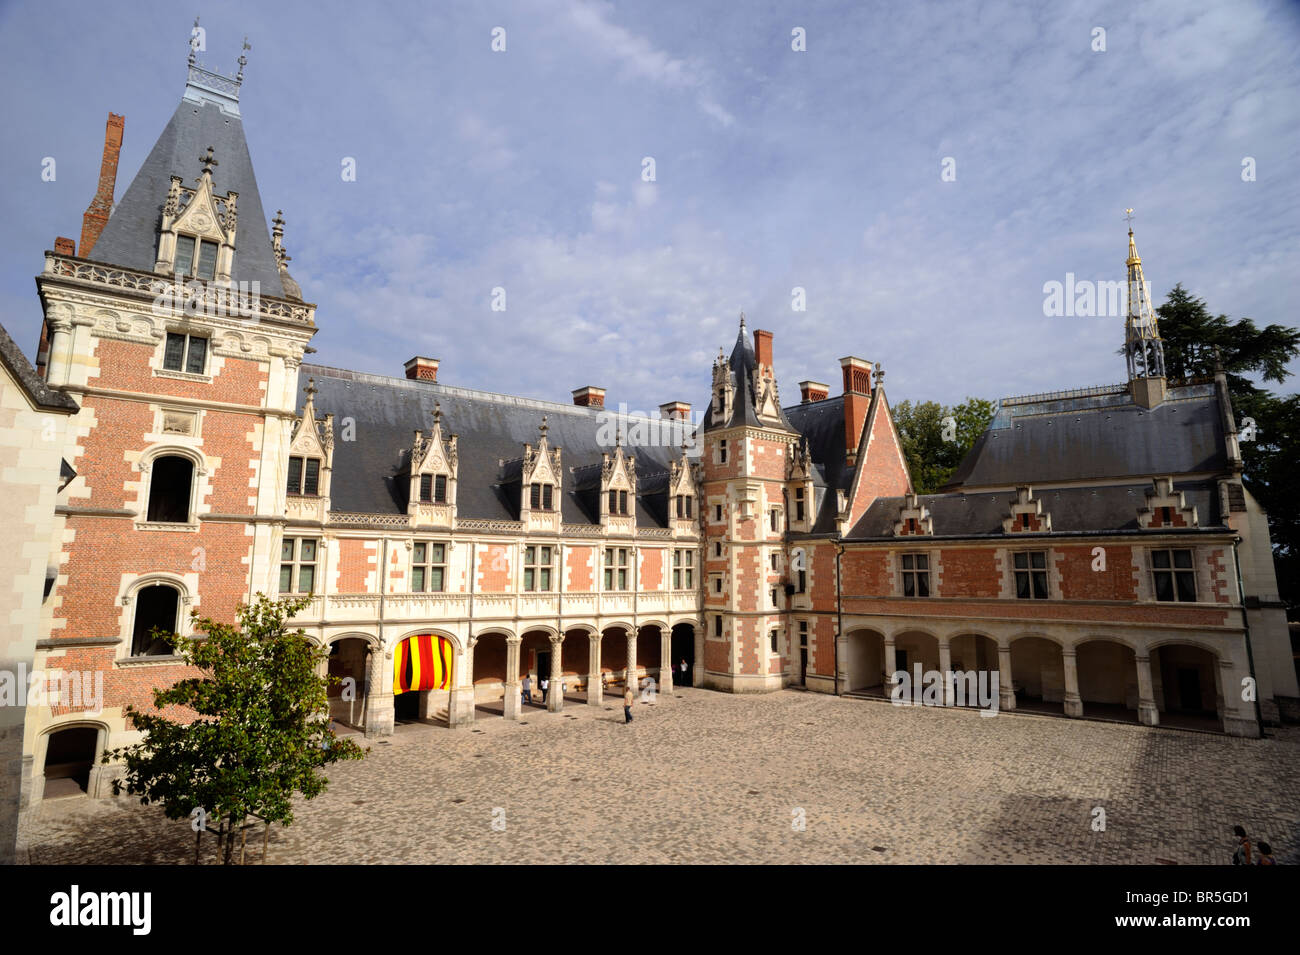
point(1096, 549)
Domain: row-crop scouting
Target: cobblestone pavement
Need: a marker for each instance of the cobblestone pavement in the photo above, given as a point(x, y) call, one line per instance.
point(712, 778)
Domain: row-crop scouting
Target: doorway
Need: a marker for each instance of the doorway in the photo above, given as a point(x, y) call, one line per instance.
point(69, 758)
point(1189, 689)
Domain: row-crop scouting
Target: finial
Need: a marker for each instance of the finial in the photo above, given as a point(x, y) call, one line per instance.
point(437, 414)
point(208, 162)
point(544, 427)
point(742, 321)
point(880, 374)
point(194, 40)
point(243, 61)
point(311, 388)
point(1128, 217)
point(1218, 360)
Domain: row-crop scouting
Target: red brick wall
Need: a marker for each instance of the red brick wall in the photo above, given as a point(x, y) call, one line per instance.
point(125, 366)
point(578, 560)
point(863, 572)
point(652, 569)
point(355, 564)
point(970, 572)
point(883, 473)
point(1080, 582)
point(494, 569)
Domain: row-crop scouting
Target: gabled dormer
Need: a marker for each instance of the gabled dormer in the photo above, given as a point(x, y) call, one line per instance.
point(799, 474)
point(724, 390)
point(1027, 515)
point(310, 463)
point(196, 237)
point(914, 518)
point(434, 465)
point(540, 484)
point(618, 490)
point(683, 495)
point(1165, 507)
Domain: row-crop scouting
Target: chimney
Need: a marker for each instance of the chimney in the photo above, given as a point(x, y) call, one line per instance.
point(763, 347)
point(589, 396)
point(422, 369)
point(97, 213)
point(857, 398)
point(814, 391)
point(65, 246)
point(675, 410)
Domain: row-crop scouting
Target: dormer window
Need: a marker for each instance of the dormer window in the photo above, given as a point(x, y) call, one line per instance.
point(304, 476)
point(684, 506)
point(798, 504)
point(541, 497)
point(433, 488)
point(618, 503)
point(187, 353)
point(202, 265)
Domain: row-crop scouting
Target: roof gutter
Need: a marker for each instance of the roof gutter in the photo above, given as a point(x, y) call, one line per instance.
point(1245, 624)
point(839, 613)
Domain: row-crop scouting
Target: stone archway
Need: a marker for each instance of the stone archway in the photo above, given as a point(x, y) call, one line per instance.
point(491, 655)
point(683, 648)
point(70, 763)
point(864, 663)
point(349, 664)
point(1188, 686)
point(1107, 679)
point(1038, 674)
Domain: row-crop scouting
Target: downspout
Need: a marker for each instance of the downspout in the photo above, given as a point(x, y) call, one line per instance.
point(1245, 623)
point(839, 611)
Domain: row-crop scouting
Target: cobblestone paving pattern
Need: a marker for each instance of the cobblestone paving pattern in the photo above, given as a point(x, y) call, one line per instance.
point(709, 777)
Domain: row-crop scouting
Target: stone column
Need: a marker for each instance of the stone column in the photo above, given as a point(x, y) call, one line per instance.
point(1073, 704)
point(697, 668)
point(379, 698)
point(513, 702)
point(1238, 715)
point(555, 699)
point(460, 702)
point(891, 664)
point(60, 354)
point(665, 660)
point(945, 668)
point(629, 678)
point(594, 695)
point(1147, 711)
point(1006, 689)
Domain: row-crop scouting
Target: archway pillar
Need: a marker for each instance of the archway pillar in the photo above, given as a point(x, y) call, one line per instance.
point(554, 699)
point(460, 701)
point(945, 669)
point(1237, 719)
point(1006, 688)
point(595, 696)
point(665, 659)
point(891, 665)
point(1148, 713)
point(1073, 702)
point(379, 700)
point(629, 678)
point(513, 703)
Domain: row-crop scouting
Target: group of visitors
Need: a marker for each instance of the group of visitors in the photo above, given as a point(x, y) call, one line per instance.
point(1246, 854)
point(629, 698)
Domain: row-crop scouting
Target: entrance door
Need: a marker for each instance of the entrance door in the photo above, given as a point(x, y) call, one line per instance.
point(803, 666)
point(1189, 689)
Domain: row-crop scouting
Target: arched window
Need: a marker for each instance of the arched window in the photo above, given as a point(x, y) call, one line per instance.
point(169, 489)
point(155, 606)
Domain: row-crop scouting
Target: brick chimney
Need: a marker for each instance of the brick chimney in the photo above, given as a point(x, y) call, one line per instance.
point(675, 410)
point(97, 213)
point(857, 398)
point(814, 391)
point(589, 396)
point(763, 347)
point(422, 369)
point(64, 246)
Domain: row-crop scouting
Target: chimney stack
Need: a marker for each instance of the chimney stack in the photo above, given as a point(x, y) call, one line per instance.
point(97, 213)
point(65, 246)
point(675, 410)
point(763, 347)
point(589, 396)
point(422, 369)
point(814, 391)
point(857, 398)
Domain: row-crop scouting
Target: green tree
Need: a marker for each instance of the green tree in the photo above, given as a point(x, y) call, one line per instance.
point(936, 437)
point(261, 731)
point(1194, 340)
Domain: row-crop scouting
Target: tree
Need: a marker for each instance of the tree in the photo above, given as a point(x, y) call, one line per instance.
point(1269, 425)
point(936, 437)
point(262, 730)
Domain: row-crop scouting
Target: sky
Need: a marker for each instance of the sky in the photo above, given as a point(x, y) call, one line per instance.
point(920, 170)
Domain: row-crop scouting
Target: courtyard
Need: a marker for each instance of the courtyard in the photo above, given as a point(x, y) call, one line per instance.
point(787, 777)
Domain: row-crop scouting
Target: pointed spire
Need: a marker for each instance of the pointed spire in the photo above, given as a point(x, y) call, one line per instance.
point(1143, 350)
point(243, 61)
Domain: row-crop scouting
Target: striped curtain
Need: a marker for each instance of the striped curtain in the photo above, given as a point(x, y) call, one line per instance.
point(422, 662)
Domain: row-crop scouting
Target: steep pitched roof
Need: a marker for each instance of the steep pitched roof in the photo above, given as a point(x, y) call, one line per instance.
point(492, 429)
point(1096, 436)
point(130, 238)
point(744, 409)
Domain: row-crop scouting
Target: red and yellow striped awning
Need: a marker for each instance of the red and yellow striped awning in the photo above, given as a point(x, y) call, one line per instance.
point(422, 662)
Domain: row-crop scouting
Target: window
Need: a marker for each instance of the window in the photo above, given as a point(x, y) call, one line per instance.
point(1175, 577)
point(717, 626)
point(155, 607)
point(684, 510)
point(774, 518)
point(1024, 522)
point(717, 583)
point(541, 497)
point(916, 575)
point(798, 504)
point(616, 568)
point(774, 641)
point(717, 513)
point(204, 265)
point(618, 503)
point(1031, 575)
point(304, 476)
point(433, 488)
point(683, 569)
point(803, 633)
point(775, 602)
point(774, 560)
point(186, 353)
point(537, 568)
point(801, 581)
point(722, 451)
point(298, 565)
point(428, 567)
point(717, 548)
point(169, 490)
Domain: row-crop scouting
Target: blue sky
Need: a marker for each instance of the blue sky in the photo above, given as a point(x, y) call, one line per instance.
point(774, 169)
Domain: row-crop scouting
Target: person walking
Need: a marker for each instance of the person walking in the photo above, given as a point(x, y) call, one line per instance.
point(526, 690)
point(1265, 854)
point(546, 685)
point(628, 698)
point(683, 671)
point(1242, 855)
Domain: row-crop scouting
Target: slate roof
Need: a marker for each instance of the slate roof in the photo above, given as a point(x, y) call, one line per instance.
point(368, 471)
point(1100, 510)
point(130, 238)
point(1097, 437)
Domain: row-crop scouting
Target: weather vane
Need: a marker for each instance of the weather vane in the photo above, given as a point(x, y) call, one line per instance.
point(1128, 217)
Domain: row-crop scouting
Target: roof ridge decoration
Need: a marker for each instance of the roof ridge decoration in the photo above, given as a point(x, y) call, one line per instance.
point(913, 518)
point(1165, 507)
point(206, 86)
point(282, 258)
point(1027, 515)
point(1143, 350)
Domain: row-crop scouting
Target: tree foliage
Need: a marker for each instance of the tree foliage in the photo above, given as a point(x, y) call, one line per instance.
point(936, 437)
point(261, 732)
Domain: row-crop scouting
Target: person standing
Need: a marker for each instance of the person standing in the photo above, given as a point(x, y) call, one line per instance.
point(546, 685)
point(526, 690)
point(1265, 854)
point(1242, 855)
point(628, 698)
point(683, 671)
